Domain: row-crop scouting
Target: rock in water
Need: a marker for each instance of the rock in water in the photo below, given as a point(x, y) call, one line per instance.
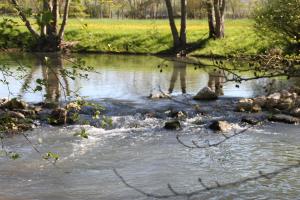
point(221, 126)
point(14, 104)
point(58, 117)
point(206, 94)
point(296, 112)
point(285, 119)
point(172, 125)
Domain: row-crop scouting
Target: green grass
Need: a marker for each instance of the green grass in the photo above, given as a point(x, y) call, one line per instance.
point(153, 36)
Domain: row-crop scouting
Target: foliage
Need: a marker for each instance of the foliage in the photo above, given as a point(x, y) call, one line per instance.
point(11, 36)
point(279, 19)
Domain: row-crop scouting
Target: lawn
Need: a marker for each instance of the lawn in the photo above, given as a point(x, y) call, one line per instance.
point(153, 36)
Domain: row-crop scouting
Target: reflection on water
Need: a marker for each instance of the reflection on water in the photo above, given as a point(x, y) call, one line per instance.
point(125, 78)
point(179, 70)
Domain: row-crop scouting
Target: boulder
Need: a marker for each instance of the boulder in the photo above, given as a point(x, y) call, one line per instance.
point(261, 101)
point(172, 125)
point(14, 114)
point(285, 104)
point(273, 99)
point(285, 94)
point(296, 112)
point(284, 119)
point(244, 105)
point(206, 94)
point(295, 89)
point(58, 116)
point(14, 104)
point(256, 108)
point(159, 96)
point(222, 126)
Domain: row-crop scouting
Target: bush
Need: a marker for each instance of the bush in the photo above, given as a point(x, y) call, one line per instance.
point(279, 20)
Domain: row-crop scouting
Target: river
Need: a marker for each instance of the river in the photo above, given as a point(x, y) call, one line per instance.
point(146, 155)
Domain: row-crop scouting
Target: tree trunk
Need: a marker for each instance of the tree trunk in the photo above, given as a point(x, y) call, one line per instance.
point(183, 23)
point(211, 20)
point(219, 8)
point(176, 40)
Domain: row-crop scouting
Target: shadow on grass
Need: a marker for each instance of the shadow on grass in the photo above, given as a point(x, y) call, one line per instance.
point(189, 48)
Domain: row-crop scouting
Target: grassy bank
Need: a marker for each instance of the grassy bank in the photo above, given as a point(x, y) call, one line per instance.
point(153, 36)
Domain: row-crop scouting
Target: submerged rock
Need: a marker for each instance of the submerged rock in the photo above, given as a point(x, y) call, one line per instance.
point(206, 94)
point(284, 118)
point(250, 120)
point(222, 126)
point(172, 125)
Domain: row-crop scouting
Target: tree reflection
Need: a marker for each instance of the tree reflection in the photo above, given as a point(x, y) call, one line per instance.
point(179, 70)
point(216, 82)
point(54, 82)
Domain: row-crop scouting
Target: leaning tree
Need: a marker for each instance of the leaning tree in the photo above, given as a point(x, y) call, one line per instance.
point(49, 34)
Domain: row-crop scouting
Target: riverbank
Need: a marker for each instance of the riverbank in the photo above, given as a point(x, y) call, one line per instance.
point(154, 37)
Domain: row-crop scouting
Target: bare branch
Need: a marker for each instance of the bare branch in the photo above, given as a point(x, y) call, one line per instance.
point(24, 19)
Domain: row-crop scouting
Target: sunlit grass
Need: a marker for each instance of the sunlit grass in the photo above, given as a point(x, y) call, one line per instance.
point(153, 36)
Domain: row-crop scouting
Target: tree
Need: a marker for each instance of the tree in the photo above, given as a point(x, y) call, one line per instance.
point(179, 41)
point(280, 19)
point(50, 37)
point(216, 18)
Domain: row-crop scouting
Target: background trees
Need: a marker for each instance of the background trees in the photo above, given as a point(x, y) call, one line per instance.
point(279, 19)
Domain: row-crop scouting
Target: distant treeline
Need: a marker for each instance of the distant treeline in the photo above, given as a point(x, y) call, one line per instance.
point(134, 9)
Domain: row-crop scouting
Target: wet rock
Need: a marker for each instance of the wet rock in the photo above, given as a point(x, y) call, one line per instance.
point(273, 99)
point(14, 114)
point(14, 104)
point(206, 94)
point(250, 120)
point(256, 108)
point(58, 116)
point(47, 105)
point(285, 94)
point(159, 96)
point(172, 125)
point(27, 113)
point(222, 126)
point(284, 119)
point(178, 114)
point(261, 101)
point(244, 105)
point(295, 89)
point(285, 104)
point(296, 112)
point(3, 102)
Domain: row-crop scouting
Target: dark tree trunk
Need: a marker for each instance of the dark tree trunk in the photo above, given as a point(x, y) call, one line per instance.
point(175, 35)
point(183, 23)
point(219, 8)
point(211, 19)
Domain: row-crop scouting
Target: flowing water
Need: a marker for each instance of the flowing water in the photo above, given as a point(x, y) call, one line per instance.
point(146, 155)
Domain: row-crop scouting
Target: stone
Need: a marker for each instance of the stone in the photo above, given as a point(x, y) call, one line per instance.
point(58, 116)
point(261, 101)
point(222, 126)
point(159, 96)
point(256, 108)
point(244, 105)
point(250, 120)
point(206, 94)
point(295, 112)
point(284, 119)
point(285, 104)
point(14, 104)
point(273, 99)
point(172, 125)
point(16, 115)
point(178, 114)
point(295, 89)
point(285, 94)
